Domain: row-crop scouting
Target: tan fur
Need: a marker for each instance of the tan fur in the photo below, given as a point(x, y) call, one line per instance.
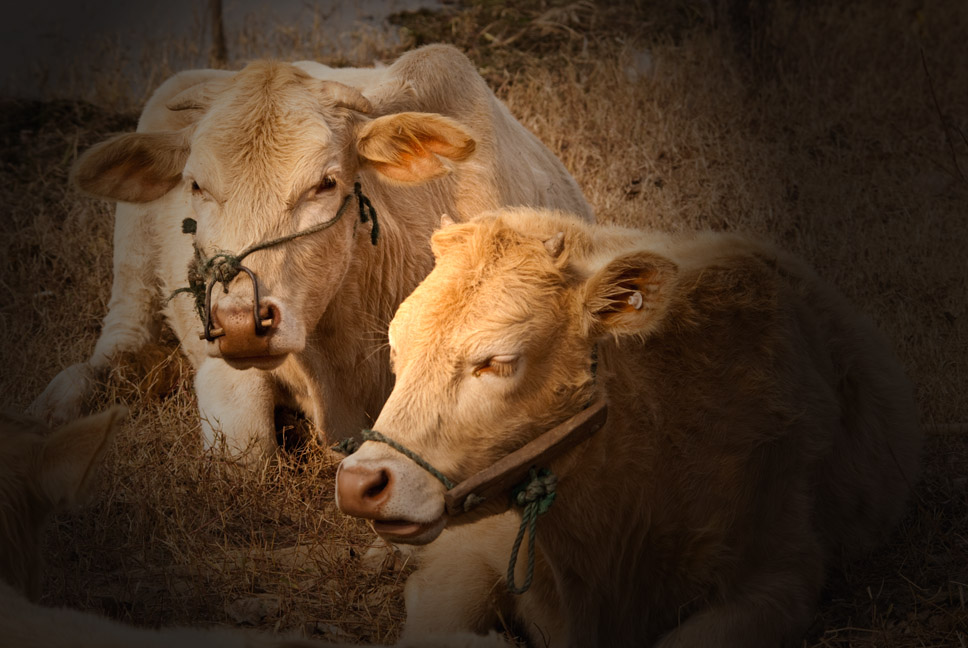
point(43, 471)
point(424, 136)
point(758, 425)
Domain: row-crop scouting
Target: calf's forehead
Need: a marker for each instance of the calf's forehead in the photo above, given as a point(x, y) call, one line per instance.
point(474, 303)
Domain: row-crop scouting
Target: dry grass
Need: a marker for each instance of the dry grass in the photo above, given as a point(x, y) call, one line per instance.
point(834, 147)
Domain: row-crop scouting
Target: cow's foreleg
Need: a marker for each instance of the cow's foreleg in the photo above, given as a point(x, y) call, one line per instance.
point(452, 591)
point(131, 321)
point(236, 409)
point(461, 587)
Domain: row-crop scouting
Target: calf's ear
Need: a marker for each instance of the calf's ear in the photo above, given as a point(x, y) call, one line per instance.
point(404, 146)
point(72, 454)
point(134, 167)
point(630, 295)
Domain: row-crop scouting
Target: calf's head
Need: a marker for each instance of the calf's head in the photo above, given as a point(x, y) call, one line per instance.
point(493, 348)
point(42, 471)
point(268, 152)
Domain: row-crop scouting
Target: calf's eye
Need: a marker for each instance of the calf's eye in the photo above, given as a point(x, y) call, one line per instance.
point(328, 184)
point(195, 187)
point(501, 366)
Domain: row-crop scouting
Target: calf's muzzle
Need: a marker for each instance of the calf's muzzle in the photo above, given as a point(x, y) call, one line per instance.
point(361, 491)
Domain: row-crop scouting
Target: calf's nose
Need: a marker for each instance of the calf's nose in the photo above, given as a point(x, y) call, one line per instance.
point(362, 491)
point(241, 338)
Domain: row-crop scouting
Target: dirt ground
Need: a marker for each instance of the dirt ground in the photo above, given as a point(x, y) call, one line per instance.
point(839, 130)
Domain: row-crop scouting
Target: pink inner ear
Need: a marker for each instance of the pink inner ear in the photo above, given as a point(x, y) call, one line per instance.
point(445, 148)
point(412, 168)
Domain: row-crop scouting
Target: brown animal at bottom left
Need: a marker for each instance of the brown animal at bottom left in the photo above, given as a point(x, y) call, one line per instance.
point(43, 471)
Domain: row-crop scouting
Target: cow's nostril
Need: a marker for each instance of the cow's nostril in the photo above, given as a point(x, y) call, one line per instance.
point(378, 486)
point(268, 319)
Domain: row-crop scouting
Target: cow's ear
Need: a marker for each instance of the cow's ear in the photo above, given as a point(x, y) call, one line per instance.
point(630, 295)
point(134, 167)
point(72, 454)
point(405, 146)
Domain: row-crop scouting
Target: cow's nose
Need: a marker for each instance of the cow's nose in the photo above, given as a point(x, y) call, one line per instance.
point(361, 491)
point(240, 337)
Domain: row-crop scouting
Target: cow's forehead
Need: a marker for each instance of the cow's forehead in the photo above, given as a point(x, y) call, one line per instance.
point(272, 122)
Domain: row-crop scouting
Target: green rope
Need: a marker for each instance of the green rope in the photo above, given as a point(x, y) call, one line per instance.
point(347, 446)
point(224, 266)
point(373, 435)
point(536, 495)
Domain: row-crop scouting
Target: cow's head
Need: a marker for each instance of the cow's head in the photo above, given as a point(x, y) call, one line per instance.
point(492, 349)
point(41, 471)
point(267, 152)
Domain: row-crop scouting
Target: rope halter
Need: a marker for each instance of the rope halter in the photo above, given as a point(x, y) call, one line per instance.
point(535, 494)
point(222, 267)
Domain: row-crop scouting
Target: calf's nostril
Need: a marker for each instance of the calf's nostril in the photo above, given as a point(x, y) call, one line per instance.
point(363, 490)
point(378, 486)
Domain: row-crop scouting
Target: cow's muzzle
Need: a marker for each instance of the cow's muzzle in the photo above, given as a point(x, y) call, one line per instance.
point(364, 490)
point(262, 320)
point(243, 332)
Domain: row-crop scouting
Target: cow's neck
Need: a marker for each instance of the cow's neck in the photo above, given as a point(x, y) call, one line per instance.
point(347, 367)
point(593, 535)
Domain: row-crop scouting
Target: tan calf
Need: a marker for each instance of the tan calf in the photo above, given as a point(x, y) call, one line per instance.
point(757, 426)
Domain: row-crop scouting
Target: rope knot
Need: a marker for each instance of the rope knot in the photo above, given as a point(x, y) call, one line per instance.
point(224, 267)
point(536, 495)
point(347, 446)
point(539, 490)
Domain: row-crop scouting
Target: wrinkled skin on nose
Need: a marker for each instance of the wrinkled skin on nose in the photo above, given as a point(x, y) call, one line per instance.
point(242, 336)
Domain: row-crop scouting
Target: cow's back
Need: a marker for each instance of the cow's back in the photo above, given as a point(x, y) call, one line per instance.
point(826, 372)
point(766, 418)
point(511, 166)
point(865, 477)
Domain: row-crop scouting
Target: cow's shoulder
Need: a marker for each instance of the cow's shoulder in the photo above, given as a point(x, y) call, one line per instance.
point(442, 79)
point(729, 273)
point(727, 309)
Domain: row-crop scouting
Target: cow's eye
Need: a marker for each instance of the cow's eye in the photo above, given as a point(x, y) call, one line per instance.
point(501, 366)
point(328, 184)
point(195, 187)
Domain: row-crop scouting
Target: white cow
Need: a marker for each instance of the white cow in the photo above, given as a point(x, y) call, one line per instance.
point(273, 151)
point(757, 426)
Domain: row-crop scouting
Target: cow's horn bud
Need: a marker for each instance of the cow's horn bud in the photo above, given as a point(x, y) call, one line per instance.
point(346, 97)
point(555, 244)
point(446, 221)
